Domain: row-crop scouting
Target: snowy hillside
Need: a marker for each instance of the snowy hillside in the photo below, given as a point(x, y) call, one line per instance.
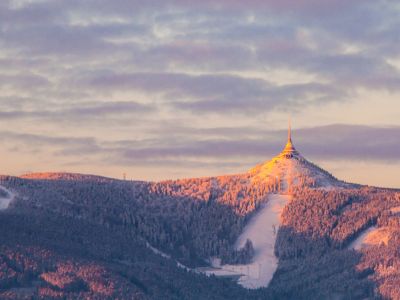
point(261, 231)
point(282, 174)
point(294, 171)
point(285, 226)
point(372, 236)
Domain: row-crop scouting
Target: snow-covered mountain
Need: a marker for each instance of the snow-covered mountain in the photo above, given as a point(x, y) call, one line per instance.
point(289, 169)
point(286, 226)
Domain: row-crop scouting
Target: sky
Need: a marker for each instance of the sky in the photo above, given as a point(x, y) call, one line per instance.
point(162, 89)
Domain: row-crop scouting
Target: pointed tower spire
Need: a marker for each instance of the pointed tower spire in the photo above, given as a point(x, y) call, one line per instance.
point(289, 151)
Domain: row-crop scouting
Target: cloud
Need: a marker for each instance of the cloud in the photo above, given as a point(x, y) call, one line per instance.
point(162, 70)
point(291, 97)
point(202, 55)
point(23, 81)
point(352, 142)
point(337, 142)
point(166, 39)
point(303, 6)
point(217, 93)
point(44, 141)
point(94, 110)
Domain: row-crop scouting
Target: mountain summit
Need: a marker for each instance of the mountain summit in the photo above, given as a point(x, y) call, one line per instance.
point(289, 169)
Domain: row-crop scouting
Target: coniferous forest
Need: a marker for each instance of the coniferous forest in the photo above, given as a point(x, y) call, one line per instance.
point(75, 236)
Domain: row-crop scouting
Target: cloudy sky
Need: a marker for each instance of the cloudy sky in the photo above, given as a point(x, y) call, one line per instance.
point(163, 89)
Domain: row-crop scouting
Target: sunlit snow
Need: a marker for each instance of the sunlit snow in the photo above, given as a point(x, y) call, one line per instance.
point(372, 236)
point(287, 170)
point(262, 231)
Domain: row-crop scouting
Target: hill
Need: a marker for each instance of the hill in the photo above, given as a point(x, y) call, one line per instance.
point(81, 236)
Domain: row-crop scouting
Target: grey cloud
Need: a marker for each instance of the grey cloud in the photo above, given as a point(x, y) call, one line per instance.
point(343, 142)
point(304, 7)
point(58, 57)
point(334, 142)
point(44, 28)
point(203, 56)
point(217, 93)
point(45, 140)
point(214, 42)
point(344, 71)
point(357, 70)
point(352, 142)
point(23, 81)
point(328, 142)
point(58, 40)
point(34, 13)
point(267, 99)
point(93, 110)
point(98, 109)
point(177, 84)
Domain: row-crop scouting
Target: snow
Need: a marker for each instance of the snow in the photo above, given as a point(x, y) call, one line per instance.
point(218, 272)
point(372, 236)
point(295, 171)
point(395, 209)
point(5, 201)
point(158, 252)
point(285, 171)
point(261, 230)
point(166, 256)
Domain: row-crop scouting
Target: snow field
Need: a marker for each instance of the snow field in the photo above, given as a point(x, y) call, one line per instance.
point(5, 201)
point(372, 236)
point(261, 230)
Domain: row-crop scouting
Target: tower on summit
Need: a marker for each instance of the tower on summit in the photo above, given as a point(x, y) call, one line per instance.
point(289, 151)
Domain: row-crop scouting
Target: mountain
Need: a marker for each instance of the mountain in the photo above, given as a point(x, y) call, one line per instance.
point(291, 170)
point(286, 229)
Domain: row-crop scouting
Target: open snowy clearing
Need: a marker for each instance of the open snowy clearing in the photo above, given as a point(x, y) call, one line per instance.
point(372, 236)
point(261, 230)
point(5, 200)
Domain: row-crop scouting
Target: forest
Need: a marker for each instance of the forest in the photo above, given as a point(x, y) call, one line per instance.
point(106, 224)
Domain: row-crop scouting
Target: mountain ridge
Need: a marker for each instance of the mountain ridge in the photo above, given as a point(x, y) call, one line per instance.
point(266, 171)
point(192, 221)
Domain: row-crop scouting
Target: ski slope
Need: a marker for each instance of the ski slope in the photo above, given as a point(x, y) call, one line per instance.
point(287, 170)
point(261, 230)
